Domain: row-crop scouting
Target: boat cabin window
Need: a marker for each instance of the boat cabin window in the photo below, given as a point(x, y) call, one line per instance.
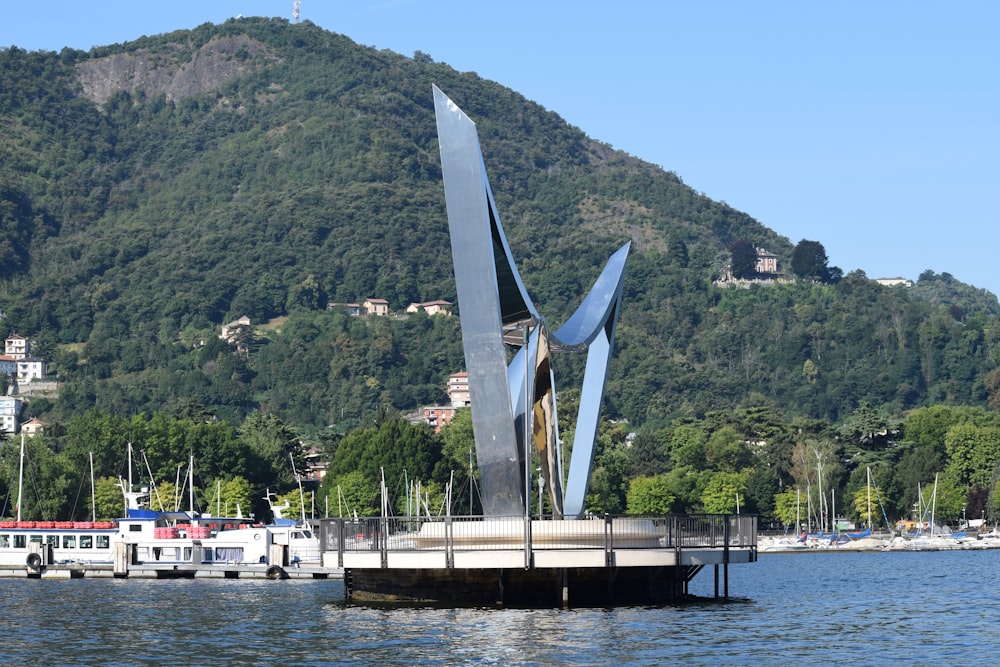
point(301, 535)
point(86, 541)
point(37, 539)
point(53, 540)
point(103, 541)
point(69, 542)
point(4, 541)
point(135, 527)
point(20, 541)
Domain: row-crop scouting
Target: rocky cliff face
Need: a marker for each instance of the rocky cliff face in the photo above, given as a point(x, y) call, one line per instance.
point(208, 69)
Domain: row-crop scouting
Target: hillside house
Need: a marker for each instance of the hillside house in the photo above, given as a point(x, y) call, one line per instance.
point(377, 307)
point(316, 465)
point(893, 282)
point(32, 427)
point(431, 307)
point(8, 365)
point(10, 414)
point(30, 368)
point(437, 416)
point(767, 262)
point(229, 330)
point(16, 346)
point(353, 309)
point(458, 390)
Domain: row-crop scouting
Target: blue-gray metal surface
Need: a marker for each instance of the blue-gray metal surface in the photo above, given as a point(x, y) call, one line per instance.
point(472, 221)
point(491, 295)
point(593, 323)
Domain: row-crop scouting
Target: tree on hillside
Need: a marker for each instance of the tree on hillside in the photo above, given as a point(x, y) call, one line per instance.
point(395, 448)
point(270, 442)
point(868, 428)
point(809, 261)
point(743, 259)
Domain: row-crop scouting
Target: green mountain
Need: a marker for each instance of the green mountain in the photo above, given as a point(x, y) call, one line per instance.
point(153, 190)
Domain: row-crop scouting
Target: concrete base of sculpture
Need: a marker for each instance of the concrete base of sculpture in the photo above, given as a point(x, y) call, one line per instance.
point(521, 562)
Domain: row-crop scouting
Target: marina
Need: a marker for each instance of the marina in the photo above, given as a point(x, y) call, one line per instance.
point(944, 541)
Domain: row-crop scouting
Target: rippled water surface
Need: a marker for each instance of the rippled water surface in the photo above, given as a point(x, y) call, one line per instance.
point(846, 608)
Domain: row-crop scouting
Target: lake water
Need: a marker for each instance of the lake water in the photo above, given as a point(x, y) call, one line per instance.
point(938, 608)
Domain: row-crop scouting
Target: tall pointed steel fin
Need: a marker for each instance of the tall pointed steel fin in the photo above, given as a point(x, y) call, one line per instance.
point(470, 220)
point(492, 296)
point(594, 324)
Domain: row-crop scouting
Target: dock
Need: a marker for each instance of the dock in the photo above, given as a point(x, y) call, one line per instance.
point(76, 570)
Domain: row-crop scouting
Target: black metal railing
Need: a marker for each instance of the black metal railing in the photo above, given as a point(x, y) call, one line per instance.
point(493, 533)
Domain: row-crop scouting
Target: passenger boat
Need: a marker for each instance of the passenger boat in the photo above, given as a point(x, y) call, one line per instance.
point(146, 536)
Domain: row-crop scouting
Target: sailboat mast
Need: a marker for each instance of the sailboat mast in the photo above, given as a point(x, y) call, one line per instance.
point(406, 483)
point(934, 502)
point(819, 494)
point(869, 484)
point(809, 509)
point(178, 490)
point(93, 493)
point(191, 484)
point(798, 502)
point(20, 481)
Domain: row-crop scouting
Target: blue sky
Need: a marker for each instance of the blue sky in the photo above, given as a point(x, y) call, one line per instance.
point(873, 128)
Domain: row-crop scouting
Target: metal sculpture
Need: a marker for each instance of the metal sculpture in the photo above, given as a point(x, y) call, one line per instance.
point(514, 406)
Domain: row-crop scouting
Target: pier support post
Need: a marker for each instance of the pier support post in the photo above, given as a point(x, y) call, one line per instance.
point(124, 556)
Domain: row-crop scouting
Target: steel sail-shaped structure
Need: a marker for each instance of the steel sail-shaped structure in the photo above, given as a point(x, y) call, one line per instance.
point(514, 405)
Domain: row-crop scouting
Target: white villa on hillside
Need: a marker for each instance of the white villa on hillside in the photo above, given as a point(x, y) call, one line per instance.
point(431, 307)
point(16, 346)
point(893, 282)
point(10, 413)
point(377, 307)
point(30, 368)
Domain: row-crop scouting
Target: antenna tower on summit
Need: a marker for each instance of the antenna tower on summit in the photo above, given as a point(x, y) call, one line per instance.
point(295, 10)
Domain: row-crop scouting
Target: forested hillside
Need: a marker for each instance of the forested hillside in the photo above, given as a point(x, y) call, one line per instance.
point(153, 190)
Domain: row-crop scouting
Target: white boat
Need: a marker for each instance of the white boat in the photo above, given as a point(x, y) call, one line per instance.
point(782, 544)
point(147, 536)
point(151, 537)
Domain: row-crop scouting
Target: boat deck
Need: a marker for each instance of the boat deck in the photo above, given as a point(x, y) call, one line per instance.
point(170, 571)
